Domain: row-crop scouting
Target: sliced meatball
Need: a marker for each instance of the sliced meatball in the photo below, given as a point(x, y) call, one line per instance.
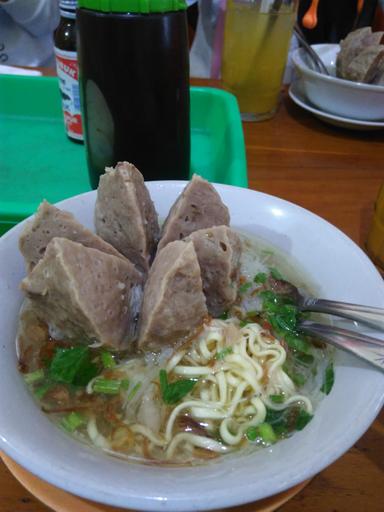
point(86, 294)
point(174, 303)
point(350, 47)
point(364, 66)
point(50, 222)
point(199, 206)
point(218, 250)
point(125, 215)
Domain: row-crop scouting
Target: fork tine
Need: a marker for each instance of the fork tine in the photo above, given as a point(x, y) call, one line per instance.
point(365, 347)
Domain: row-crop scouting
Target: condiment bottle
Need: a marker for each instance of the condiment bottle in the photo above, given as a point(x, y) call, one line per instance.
point(375, 240)
point(67, 69)
point(134, 84)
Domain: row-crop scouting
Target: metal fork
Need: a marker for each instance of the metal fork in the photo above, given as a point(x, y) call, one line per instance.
point(367, 315)
point(365, 347)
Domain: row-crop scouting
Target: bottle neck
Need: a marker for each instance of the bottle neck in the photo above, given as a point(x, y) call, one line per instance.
point(68, 8)
point(66, 13)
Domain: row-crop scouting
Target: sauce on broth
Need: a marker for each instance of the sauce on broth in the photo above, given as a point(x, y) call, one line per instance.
point(245, 381)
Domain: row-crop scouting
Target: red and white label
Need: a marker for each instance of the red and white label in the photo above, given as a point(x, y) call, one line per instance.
point(67, 71)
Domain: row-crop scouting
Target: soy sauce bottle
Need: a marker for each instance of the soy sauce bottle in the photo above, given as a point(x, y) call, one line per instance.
point(134, 84)
point(67, 69)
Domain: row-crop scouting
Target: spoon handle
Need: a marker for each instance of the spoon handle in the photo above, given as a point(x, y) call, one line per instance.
point(371, 316)
point(369, 349)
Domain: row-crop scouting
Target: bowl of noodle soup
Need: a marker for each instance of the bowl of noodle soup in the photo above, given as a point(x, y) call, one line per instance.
point(279, 234)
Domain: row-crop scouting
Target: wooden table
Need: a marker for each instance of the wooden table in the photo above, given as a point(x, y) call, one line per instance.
point(337, 174)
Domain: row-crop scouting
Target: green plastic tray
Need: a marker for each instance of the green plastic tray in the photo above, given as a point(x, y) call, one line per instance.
point(38, 161)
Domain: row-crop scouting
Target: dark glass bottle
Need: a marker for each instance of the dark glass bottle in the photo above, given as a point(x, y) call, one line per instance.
point(67, 69)
point(134, 83)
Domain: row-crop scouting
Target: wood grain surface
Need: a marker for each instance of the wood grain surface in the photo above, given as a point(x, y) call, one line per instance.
point(336, 174)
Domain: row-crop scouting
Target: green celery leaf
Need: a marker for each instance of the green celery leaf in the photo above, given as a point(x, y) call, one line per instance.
point(72, 366)
point(273, 416)
point(329, 379)
point(163, 382)
point(278, 420)
point(303, 418)
point(260, 278)
point(174, 392)
point(276, 274)
point(297, 343)
point(244, 287)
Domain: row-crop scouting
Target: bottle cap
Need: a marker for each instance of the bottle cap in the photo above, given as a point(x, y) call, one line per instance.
point(134, 6)
point(68, 5)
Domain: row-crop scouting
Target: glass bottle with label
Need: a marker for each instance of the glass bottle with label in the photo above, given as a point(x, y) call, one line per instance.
point(67, 69)
point(134, 83)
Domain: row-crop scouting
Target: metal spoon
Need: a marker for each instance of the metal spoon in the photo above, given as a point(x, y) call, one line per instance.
point(367, 315)
point(319, 64)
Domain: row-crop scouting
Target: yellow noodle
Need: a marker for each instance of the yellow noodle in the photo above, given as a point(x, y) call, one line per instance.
point(231, 393)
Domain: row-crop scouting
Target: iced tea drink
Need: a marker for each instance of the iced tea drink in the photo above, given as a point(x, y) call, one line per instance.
point(256, 42)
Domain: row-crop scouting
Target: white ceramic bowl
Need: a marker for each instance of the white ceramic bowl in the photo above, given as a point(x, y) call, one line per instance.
point(340, 269)
point(334, 95)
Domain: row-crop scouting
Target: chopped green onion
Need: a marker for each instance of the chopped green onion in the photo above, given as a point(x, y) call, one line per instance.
point(277, 399)
point(124, 384)
point(303, 418)
point(223, 353)
point(35, 376)
point(329, 379)
point(269, 297)
point(267, 433)
point(298, 343)
point(252, 434)
point(260, 278)
point(244, 287)
point(73, 421)
point(263, 431)
point(134, 390)
point(224, 316)
point(40, 392)
point(107, 386)
point(107, 359)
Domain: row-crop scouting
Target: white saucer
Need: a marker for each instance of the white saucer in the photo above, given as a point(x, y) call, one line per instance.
point(297, 95)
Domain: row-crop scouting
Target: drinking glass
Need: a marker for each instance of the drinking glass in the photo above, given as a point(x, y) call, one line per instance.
point(257, 36)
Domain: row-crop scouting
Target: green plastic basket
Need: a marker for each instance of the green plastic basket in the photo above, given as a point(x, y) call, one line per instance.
point(38, 161)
